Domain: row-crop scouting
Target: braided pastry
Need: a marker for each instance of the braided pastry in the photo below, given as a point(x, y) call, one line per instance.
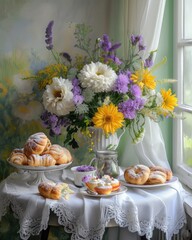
point(18, 158)
point(60, 154)
point(36, 160)
point(36, 144)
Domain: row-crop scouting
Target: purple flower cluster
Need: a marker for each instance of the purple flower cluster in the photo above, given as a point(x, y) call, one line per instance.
point(138, 39)
point(48, 35)
point(130, 107)
point(149, 61)
point(109, 49)
point(85, 168)
point(121, 84)
point(54, 123)
point(77, 97)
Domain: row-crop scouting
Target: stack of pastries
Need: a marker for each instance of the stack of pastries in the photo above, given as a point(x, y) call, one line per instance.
point(141, 174)
point(38, 151)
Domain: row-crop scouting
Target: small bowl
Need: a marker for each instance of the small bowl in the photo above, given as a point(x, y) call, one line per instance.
point(79, 174)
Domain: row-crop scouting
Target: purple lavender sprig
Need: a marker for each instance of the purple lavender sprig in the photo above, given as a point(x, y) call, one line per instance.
point(48, 35)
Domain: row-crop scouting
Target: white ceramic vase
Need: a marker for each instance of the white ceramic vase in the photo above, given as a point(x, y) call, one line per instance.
point(101, 142)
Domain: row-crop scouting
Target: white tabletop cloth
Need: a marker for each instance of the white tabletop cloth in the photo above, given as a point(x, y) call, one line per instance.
point(137, 210)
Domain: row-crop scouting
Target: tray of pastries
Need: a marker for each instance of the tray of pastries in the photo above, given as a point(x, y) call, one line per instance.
point(39, 154)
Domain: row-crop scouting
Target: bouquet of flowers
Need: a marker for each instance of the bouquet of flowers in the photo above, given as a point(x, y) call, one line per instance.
point(99, 89)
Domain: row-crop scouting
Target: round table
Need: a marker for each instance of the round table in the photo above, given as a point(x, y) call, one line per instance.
point(138, 210)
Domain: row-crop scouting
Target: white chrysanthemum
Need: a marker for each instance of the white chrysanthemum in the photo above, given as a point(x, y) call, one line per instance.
point(98, 77)
point(58, 97)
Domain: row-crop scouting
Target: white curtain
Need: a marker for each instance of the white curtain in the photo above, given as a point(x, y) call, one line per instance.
point(144, 17)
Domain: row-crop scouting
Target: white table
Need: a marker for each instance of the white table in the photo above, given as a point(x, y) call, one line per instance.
point(137, 211)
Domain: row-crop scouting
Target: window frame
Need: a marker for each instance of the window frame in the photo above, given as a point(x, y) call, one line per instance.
point(179, 168)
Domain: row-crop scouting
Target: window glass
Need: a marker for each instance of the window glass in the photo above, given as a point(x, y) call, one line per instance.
point(187, 75)
point(187, 19)
point(187, 139)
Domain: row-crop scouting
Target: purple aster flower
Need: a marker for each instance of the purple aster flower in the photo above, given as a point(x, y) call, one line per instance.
point(121, 84)
point(128, 109)
point(135, 90)
point(48, 35)
point(139, 103)
point(78, 99)
point(135, 39)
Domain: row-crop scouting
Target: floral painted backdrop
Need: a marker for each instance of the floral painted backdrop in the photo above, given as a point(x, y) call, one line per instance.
point(23, 52)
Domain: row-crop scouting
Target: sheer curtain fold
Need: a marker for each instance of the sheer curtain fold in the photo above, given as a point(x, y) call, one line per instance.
point(145, 18)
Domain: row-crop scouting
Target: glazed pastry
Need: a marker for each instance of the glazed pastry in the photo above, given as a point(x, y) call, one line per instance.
point(36, 160)
point(49, 191)
point(137, 174)
point(54, 191)
point(156, 177)
point(167, 171)
point(18, 158)
point(36, 144)
point(60, 154)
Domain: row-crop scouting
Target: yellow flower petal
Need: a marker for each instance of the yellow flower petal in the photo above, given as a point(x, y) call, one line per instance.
point(169, 100)
point(108, 118)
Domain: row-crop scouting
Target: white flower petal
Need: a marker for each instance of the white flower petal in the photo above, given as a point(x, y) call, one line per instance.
point(98, 77)
point(58, 97)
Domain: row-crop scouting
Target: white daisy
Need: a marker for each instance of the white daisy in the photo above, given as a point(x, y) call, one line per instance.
point(58, 97)
point(98, 77)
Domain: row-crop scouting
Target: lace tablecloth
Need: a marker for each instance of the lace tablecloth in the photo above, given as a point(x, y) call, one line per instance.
point(139, 210)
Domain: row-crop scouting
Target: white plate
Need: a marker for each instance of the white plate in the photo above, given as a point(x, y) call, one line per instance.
point(121, 178)
point(121, 190)
point(41, 168)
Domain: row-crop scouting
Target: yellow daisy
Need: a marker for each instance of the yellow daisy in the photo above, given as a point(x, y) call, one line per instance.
point(144, 78)
point(108, 118)
point(169, 100)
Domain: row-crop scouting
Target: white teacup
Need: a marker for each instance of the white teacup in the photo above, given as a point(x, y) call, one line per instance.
point(79, 175)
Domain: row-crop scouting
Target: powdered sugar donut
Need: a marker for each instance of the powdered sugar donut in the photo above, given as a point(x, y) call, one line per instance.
point(137, 174)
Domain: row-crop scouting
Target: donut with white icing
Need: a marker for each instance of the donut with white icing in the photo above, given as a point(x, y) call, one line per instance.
point(137, 174)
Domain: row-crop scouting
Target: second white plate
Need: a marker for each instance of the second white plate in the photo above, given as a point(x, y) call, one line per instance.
point(121, 190)
point(121, 178)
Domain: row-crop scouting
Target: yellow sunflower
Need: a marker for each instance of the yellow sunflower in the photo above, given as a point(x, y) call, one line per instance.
point(144, 78)
point(108, 118)
point(169, 100)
